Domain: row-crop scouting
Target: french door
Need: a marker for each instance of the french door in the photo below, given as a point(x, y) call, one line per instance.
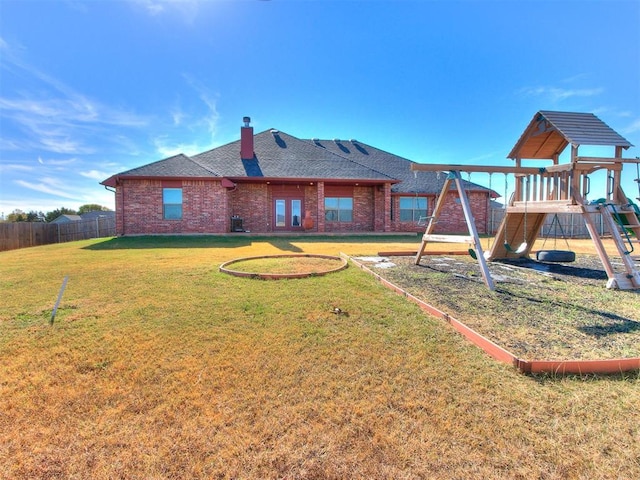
point(287, 214)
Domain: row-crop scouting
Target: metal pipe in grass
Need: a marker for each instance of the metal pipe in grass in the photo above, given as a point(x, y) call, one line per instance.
point(55, 308)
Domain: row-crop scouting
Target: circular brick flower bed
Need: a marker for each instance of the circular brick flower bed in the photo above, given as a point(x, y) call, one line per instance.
point(277, 267)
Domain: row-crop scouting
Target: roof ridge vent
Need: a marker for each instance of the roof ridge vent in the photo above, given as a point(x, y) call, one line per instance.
point(275, 131)
point(337, 140)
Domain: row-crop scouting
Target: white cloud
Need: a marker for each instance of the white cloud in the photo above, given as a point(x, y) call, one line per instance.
point(61, 162)
point(556, 94)
point(576, 77)
point(483, 158)
point(633, 127)
point(15, 167)
point(211, 118)
point(54, 116)
point(187, 9)
point(167, 149)
point(95, 174)
point(178, 117)
point(201, 116)
point(49, 185)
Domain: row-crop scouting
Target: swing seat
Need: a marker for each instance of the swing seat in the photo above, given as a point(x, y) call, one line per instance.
point(521, 248)
point(556, 256)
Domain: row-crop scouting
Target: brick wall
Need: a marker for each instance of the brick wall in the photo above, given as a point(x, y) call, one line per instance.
point(451, 220)
point(208, 207)
point(252, 203)
point(452, 217)
point(363, 213)
point(139, 208)
point(398, 226)
point(382, 209)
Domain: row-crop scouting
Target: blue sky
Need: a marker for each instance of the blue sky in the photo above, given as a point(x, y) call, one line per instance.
point(93, 88)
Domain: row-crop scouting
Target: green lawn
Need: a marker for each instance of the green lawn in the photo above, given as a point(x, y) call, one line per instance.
point(159, 366)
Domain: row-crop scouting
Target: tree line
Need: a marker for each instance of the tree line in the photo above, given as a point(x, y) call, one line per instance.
point(38, 216)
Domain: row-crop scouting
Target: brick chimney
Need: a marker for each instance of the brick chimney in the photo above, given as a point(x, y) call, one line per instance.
point(246, 140)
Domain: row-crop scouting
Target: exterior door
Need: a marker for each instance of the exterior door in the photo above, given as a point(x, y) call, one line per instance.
point(287, 214)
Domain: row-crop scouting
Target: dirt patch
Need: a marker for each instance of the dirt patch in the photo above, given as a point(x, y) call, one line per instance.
point(538, 311)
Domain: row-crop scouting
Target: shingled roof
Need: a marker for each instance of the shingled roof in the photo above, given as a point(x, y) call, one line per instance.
point(549, 133)
point(278, 155)
point(391, 165)
point(173, 167)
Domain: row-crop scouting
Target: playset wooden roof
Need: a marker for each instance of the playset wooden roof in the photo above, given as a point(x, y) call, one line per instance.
point(550, 132)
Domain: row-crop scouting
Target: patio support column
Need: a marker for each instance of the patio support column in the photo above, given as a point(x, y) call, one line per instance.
point(387, 207)
point(321, 218)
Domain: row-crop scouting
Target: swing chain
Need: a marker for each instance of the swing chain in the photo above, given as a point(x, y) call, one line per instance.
point(637, 180)
point(555, 224)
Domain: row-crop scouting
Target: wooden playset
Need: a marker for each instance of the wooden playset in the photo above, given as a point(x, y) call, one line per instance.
point(553, 189)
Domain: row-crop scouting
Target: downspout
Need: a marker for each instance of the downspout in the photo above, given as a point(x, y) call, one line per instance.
point(115, 192)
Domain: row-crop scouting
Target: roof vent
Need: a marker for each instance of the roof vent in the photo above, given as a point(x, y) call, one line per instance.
point(337, 140)
point(275, 131)
point(246, 120)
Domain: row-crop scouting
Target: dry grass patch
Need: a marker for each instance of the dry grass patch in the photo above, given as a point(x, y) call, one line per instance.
point(557, 313)
point(159, 366)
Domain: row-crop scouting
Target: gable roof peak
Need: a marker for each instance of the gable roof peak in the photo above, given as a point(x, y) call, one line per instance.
point(549, 133)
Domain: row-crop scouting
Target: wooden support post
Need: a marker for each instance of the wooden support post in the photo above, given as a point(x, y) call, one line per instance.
point(473, 237)
point(471, 225)
point(434, 218)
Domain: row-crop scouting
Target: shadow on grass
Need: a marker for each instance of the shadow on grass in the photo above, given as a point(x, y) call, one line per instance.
point(170, 241)
point(619, 325)
point(556, 268)
point(611, 323)
point(283, 243)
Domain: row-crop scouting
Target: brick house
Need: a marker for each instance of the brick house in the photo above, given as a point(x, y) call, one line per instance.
point(270, 181)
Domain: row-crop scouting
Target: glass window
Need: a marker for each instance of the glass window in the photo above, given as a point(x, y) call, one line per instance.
point(280, 213)
point(412, 208)
point(338, 209)
point(172, 203)
point(296, 211)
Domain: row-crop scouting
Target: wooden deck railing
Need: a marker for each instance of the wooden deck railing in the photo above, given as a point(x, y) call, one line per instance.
point(565, 183)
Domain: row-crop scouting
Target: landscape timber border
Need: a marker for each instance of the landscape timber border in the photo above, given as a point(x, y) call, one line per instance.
point(553, 367)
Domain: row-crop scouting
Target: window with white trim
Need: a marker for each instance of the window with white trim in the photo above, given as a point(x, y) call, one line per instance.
point(338, 209)
point(172, 203)
point(412, 208)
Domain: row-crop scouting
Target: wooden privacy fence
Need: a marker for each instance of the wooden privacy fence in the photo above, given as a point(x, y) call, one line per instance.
point(30, 234)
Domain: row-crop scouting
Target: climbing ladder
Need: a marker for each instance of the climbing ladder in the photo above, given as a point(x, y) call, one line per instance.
point(618, 217)
point(472, 239)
